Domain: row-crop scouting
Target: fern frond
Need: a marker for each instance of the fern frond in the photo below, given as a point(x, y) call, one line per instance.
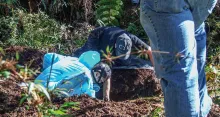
point(109, 11)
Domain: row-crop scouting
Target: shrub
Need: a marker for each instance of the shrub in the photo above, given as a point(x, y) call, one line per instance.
point(33, 30)
point(213, 38)
point(109, 11)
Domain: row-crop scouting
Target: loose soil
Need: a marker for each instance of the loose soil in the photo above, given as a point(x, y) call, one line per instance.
point(27, 56)
point(134, 93)
point(11, 94)
point(132, 84)
point(131, 94)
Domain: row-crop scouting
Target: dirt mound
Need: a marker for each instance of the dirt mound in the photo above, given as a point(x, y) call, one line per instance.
point(29, 56)
point(126, 85)
point(215, 111)
point(91, 107)
point(10, 96)
point(88, 107)
point(131, 108)
point(134, 83)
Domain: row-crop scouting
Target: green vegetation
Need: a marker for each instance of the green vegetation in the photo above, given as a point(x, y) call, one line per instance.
point(32, 30)
point(21, 26)
point(213, 55)
point(213, 38)
point(35, 95)
point(109, 12)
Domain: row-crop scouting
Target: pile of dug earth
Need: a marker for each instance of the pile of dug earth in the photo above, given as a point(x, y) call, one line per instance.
point(131, 96)
point(134, 93)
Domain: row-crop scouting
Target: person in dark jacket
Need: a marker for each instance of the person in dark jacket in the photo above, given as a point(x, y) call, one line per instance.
point(122, 44)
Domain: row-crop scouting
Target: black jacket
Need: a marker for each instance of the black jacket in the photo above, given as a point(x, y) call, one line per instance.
point(102, 37)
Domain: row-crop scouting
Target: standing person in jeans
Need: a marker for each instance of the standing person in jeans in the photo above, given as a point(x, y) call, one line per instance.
point(177, 27)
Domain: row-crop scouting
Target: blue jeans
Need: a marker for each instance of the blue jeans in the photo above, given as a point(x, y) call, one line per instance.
point(176, 27)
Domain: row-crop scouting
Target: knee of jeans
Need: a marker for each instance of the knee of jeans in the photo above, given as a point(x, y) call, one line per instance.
point(179, 69)
point(181, 61)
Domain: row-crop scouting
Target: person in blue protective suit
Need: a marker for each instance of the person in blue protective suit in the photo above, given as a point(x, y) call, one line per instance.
point(122, 43)
point(177, 27)
point(73, 75)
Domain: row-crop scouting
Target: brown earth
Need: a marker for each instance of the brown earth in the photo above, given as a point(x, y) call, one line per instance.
point(11, 95)
point(128, 86)
point(29, 56)
point(126, 83)
point(89, 107)
point(132, 84)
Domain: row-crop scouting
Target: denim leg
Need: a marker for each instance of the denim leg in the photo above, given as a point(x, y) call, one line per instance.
point(205, 100)
point(173, 32)
point(200, 10)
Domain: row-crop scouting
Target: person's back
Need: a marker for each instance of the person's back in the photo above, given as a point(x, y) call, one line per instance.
point(69, 73)
point(120, 41)
point(109, 37)
point(100, 38)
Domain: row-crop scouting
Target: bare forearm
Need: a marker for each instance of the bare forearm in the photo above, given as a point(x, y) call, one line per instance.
point(106, 89)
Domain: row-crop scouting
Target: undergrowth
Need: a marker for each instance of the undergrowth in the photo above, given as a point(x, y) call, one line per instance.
point(32, 30)
point(35, 95)
point(38, 30)
point(109, 12)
